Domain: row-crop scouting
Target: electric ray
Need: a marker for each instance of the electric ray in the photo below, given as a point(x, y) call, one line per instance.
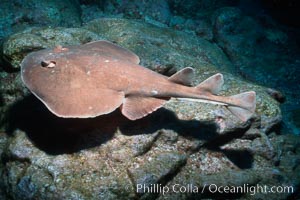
point(96, 78)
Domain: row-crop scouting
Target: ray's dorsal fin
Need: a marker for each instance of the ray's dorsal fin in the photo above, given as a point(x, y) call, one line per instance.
point(113, 49)
point(184, 76)
point(246, 105)
point(137, 107)
point(213, 84)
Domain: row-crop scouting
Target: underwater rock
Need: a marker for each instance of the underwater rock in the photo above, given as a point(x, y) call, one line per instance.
point(18, 15)
point(11, 88)
point(93, 173)
point(46, 157)
point(155, 170)
point(3, 140)
point(200, 8)
point(154, 9)
point(90, 12)
point(277, 95)
point(246, 41)
point(191, 183)
point(20, 44)
point(201, 28)
point(164, 46)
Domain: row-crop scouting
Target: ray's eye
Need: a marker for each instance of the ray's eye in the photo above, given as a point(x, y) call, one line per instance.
point(47, 63)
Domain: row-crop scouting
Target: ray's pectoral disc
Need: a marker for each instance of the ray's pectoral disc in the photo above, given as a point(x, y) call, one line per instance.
point(70, 83)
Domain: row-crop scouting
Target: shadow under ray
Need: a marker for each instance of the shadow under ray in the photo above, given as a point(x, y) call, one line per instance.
point(56, 135)
point(1, 99)
point(166, 119)
point(241, 158)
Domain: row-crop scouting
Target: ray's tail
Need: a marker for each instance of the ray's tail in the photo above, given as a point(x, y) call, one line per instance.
point(245, 105)
point(241, 105)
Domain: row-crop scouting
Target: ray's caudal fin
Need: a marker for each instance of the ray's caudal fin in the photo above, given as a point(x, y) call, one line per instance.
point(241, 105)
point(245, 107)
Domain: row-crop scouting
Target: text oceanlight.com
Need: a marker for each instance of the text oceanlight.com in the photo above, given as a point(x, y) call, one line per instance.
point(212, 188)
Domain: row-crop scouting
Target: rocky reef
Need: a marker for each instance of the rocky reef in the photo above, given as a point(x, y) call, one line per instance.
point(182, 151)
point(18, 15)
point(182, 144)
